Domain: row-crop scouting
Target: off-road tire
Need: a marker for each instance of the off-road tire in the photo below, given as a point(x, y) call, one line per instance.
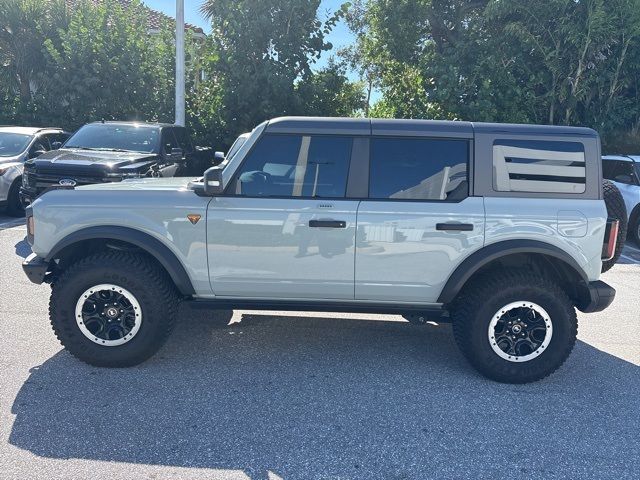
point(478, 303)
point(634, 226)
point(138, 274)
point(616, 209)
point(14, 206)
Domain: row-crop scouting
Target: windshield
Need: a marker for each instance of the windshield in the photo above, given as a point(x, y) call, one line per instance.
point(236, 145)
point(12, 144)
point(118, 138)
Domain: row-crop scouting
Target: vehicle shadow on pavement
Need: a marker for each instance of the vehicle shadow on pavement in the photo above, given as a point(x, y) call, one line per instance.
point(23, 249)
point(308, 398)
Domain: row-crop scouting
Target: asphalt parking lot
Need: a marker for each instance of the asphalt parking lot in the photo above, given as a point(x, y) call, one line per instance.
point(312, 396)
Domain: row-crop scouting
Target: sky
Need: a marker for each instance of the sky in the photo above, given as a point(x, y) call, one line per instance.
point(340, 36)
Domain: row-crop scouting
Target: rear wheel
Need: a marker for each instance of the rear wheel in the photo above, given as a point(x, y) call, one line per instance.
point(113, 309)
point(515, 327)
point(14, 206)
point(617, 210)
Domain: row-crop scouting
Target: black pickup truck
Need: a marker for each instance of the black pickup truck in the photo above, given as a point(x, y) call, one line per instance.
point(114, 151)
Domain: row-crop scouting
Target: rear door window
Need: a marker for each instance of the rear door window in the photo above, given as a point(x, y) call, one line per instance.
point(418, 169)
point(538, 166)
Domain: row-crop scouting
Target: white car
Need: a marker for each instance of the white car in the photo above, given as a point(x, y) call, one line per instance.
point(624, 172)
point(18, 144)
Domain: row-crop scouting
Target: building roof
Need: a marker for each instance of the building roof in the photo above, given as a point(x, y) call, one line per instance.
point(155, 18)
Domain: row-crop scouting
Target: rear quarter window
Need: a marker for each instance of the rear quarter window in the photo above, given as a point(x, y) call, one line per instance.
point(539, 166)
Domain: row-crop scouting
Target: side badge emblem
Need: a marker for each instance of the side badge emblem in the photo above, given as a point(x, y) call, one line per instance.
point(194, 218)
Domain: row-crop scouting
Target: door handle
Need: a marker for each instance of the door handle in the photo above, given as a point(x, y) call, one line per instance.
point(327, 224)
point(455, 227)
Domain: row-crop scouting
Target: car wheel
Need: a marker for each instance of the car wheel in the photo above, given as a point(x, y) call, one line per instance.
point(617, 210)
point(14, 206)
point(113, 309)
point(515, 327)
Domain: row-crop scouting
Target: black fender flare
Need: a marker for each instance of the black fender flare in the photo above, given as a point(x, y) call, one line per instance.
point(144, 241)
point(494, 251)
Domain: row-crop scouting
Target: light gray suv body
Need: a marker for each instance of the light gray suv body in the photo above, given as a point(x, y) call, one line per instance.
point(450, 221)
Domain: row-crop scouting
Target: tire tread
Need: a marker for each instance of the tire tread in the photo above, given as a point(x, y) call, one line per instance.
point(478, 292)
point(134, 262)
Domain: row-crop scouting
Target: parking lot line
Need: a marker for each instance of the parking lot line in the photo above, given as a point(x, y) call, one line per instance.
point(631, 247)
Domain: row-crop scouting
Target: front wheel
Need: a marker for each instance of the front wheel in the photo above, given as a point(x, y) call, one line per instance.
point(113, 309)
point(515, 327)
point(14, 205)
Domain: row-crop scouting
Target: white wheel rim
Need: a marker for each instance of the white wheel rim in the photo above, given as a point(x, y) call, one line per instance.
point(520, 331)
point(108, 315)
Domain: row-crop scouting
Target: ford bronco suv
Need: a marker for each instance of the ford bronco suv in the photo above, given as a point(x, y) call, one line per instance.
point(499, 229)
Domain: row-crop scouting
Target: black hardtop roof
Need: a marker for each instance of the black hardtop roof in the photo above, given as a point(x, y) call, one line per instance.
point(387, 126)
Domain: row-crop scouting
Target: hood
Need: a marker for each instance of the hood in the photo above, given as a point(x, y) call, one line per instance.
point(78, 160)
point(16, 159)
point(148, 184)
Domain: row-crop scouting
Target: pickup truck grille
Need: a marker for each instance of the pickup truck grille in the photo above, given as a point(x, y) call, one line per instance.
point(41, 182)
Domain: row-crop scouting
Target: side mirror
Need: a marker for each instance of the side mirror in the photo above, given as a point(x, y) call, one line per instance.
point(174, 155)
point(213, 182)
point(218, 158)
point(56, 145)
point(37, 153)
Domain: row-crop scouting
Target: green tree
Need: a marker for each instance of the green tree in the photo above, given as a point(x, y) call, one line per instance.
point(24, 27)
point(107, 65)
point(541, 61)
point(328, 92)
point(264, 53)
